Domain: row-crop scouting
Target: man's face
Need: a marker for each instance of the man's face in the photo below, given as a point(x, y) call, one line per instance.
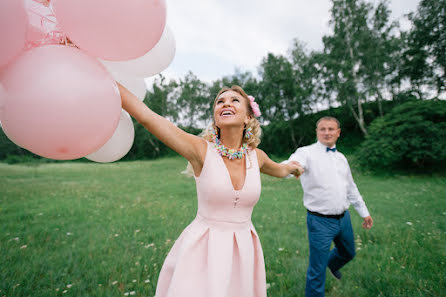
point(328, 132)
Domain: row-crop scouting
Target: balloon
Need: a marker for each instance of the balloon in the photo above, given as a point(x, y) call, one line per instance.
point(136, 85)
point(3, 96)
point(155, 61)
point(2, 99)
point(42, 25)
point(13, 27)
point(61, 103)
point(119, 144)
point(112, 29)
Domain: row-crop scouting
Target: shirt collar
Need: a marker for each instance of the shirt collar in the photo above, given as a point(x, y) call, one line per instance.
point(323, 146)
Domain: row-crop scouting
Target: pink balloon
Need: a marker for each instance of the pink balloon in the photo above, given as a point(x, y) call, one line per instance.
point(42, 25)
point(2, 99)
point(112, 29)
point(61, 103)
point(13, 27)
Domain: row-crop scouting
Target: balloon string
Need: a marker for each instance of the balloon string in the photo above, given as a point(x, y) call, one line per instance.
point(44, 17)
point(55, 36)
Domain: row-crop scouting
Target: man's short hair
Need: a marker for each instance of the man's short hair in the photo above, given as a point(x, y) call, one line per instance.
point(328, 118)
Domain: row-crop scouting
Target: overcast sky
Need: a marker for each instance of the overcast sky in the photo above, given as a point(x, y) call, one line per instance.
point(214, 37)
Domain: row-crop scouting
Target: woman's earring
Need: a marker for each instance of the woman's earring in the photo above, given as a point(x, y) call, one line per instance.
point(248, 133)
point(216, 132)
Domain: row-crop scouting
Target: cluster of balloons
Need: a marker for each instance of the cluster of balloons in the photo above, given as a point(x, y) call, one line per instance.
point(59, 60)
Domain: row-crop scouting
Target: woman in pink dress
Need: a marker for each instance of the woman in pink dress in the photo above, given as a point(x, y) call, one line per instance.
point(219, 253)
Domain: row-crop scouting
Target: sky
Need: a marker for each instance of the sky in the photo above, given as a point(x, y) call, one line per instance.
point(215, 37)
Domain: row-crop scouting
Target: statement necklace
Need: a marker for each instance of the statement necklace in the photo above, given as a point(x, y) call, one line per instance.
point(230, 153)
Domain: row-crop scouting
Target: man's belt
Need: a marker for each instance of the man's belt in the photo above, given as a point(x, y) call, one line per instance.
point(338, 216)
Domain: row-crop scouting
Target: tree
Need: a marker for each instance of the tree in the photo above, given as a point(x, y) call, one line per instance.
point(425, 55)
point(304, 74)
point(281, 96)
point(357, 57)
point(380, 55)
point(192, 98)
point(278, 89)
point(160, 99)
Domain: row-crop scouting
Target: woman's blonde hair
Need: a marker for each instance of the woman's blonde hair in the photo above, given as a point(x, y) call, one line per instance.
point(253, 123)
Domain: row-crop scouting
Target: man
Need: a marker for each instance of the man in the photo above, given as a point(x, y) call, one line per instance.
point(329, 190)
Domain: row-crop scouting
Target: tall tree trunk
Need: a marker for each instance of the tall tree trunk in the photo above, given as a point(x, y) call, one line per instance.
point(358, 118)
point(293, 136)
point(360, 115)
point(380, 99)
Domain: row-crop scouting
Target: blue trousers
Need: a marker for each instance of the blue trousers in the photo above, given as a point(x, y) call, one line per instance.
point(321, 233)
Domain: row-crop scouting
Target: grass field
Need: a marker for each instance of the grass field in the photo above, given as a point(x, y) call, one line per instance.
point(84, 229)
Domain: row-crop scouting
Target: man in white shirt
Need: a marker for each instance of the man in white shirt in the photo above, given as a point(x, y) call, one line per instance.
point(329, 190)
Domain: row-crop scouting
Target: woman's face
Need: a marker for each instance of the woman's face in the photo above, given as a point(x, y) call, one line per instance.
point(231, 110)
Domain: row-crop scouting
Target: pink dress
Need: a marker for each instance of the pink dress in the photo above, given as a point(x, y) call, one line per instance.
point(219, 253)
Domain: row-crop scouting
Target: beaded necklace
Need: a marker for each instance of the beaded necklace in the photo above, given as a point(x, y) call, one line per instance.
point(230, 153)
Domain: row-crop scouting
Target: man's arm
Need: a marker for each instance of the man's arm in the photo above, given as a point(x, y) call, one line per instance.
point(356, 200)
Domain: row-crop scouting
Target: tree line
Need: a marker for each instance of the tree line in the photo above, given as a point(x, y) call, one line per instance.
point(367, 58)
point(367, 66)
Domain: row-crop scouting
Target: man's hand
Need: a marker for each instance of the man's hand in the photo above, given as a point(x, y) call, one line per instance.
point(297, 169)
point(368, 222)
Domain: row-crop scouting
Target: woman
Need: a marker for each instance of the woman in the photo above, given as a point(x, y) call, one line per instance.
point(219, 253)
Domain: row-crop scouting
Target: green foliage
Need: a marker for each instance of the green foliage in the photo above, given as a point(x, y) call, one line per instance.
point(160, 100)
point(411, 135)
point(278, 98)
point(192, 100)
point(25, 159)
point(7, 147)
point(278, 136)
point(424, 60)
point(358, 62)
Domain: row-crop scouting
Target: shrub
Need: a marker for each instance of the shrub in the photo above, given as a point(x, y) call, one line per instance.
point(411, 135)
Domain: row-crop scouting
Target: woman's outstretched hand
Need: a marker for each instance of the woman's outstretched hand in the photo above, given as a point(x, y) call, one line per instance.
point(295, 168)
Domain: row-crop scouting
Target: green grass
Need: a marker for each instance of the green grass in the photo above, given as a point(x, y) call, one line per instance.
point(85, 229)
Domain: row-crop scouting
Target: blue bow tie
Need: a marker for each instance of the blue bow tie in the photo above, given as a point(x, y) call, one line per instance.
point(331, 149)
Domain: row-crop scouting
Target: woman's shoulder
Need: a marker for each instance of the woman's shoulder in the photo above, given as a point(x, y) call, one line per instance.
point(260, 155)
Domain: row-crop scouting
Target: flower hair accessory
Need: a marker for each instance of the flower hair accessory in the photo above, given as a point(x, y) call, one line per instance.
point(254, 106)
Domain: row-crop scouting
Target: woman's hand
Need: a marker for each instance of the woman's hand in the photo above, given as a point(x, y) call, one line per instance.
point(272, 168)
point(295, 168)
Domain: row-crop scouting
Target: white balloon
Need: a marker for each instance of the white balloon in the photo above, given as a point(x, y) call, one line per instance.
point(155, 61)
point(119, 144)
point(136, 85)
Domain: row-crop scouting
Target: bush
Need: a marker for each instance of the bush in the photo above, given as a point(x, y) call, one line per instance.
point(412, 135)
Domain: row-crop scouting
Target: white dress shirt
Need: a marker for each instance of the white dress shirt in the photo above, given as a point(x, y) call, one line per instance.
point(327, 181)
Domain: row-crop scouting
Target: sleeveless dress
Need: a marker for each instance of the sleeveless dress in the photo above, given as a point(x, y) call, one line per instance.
point(219, 254)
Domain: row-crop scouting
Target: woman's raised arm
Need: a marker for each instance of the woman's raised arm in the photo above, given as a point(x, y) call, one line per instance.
point(191, 147)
